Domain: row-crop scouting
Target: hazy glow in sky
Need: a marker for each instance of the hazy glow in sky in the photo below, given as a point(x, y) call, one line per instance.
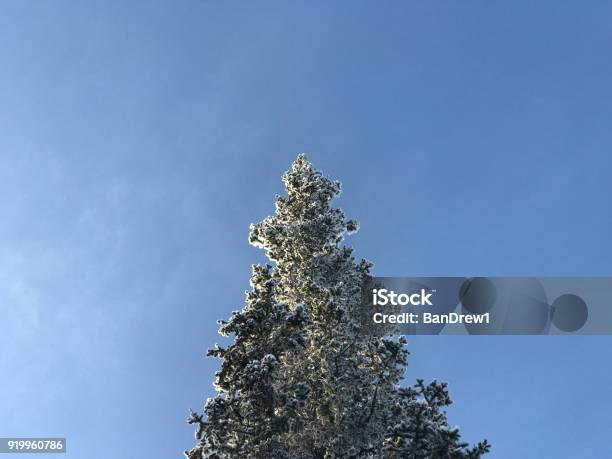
point(139, 141)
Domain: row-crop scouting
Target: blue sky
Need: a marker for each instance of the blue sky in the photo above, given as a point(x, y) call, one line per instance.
point(139, 140)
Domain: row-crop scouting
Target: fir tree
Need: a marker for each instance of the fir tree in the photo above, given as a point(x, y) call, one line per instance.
point(302, 379)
